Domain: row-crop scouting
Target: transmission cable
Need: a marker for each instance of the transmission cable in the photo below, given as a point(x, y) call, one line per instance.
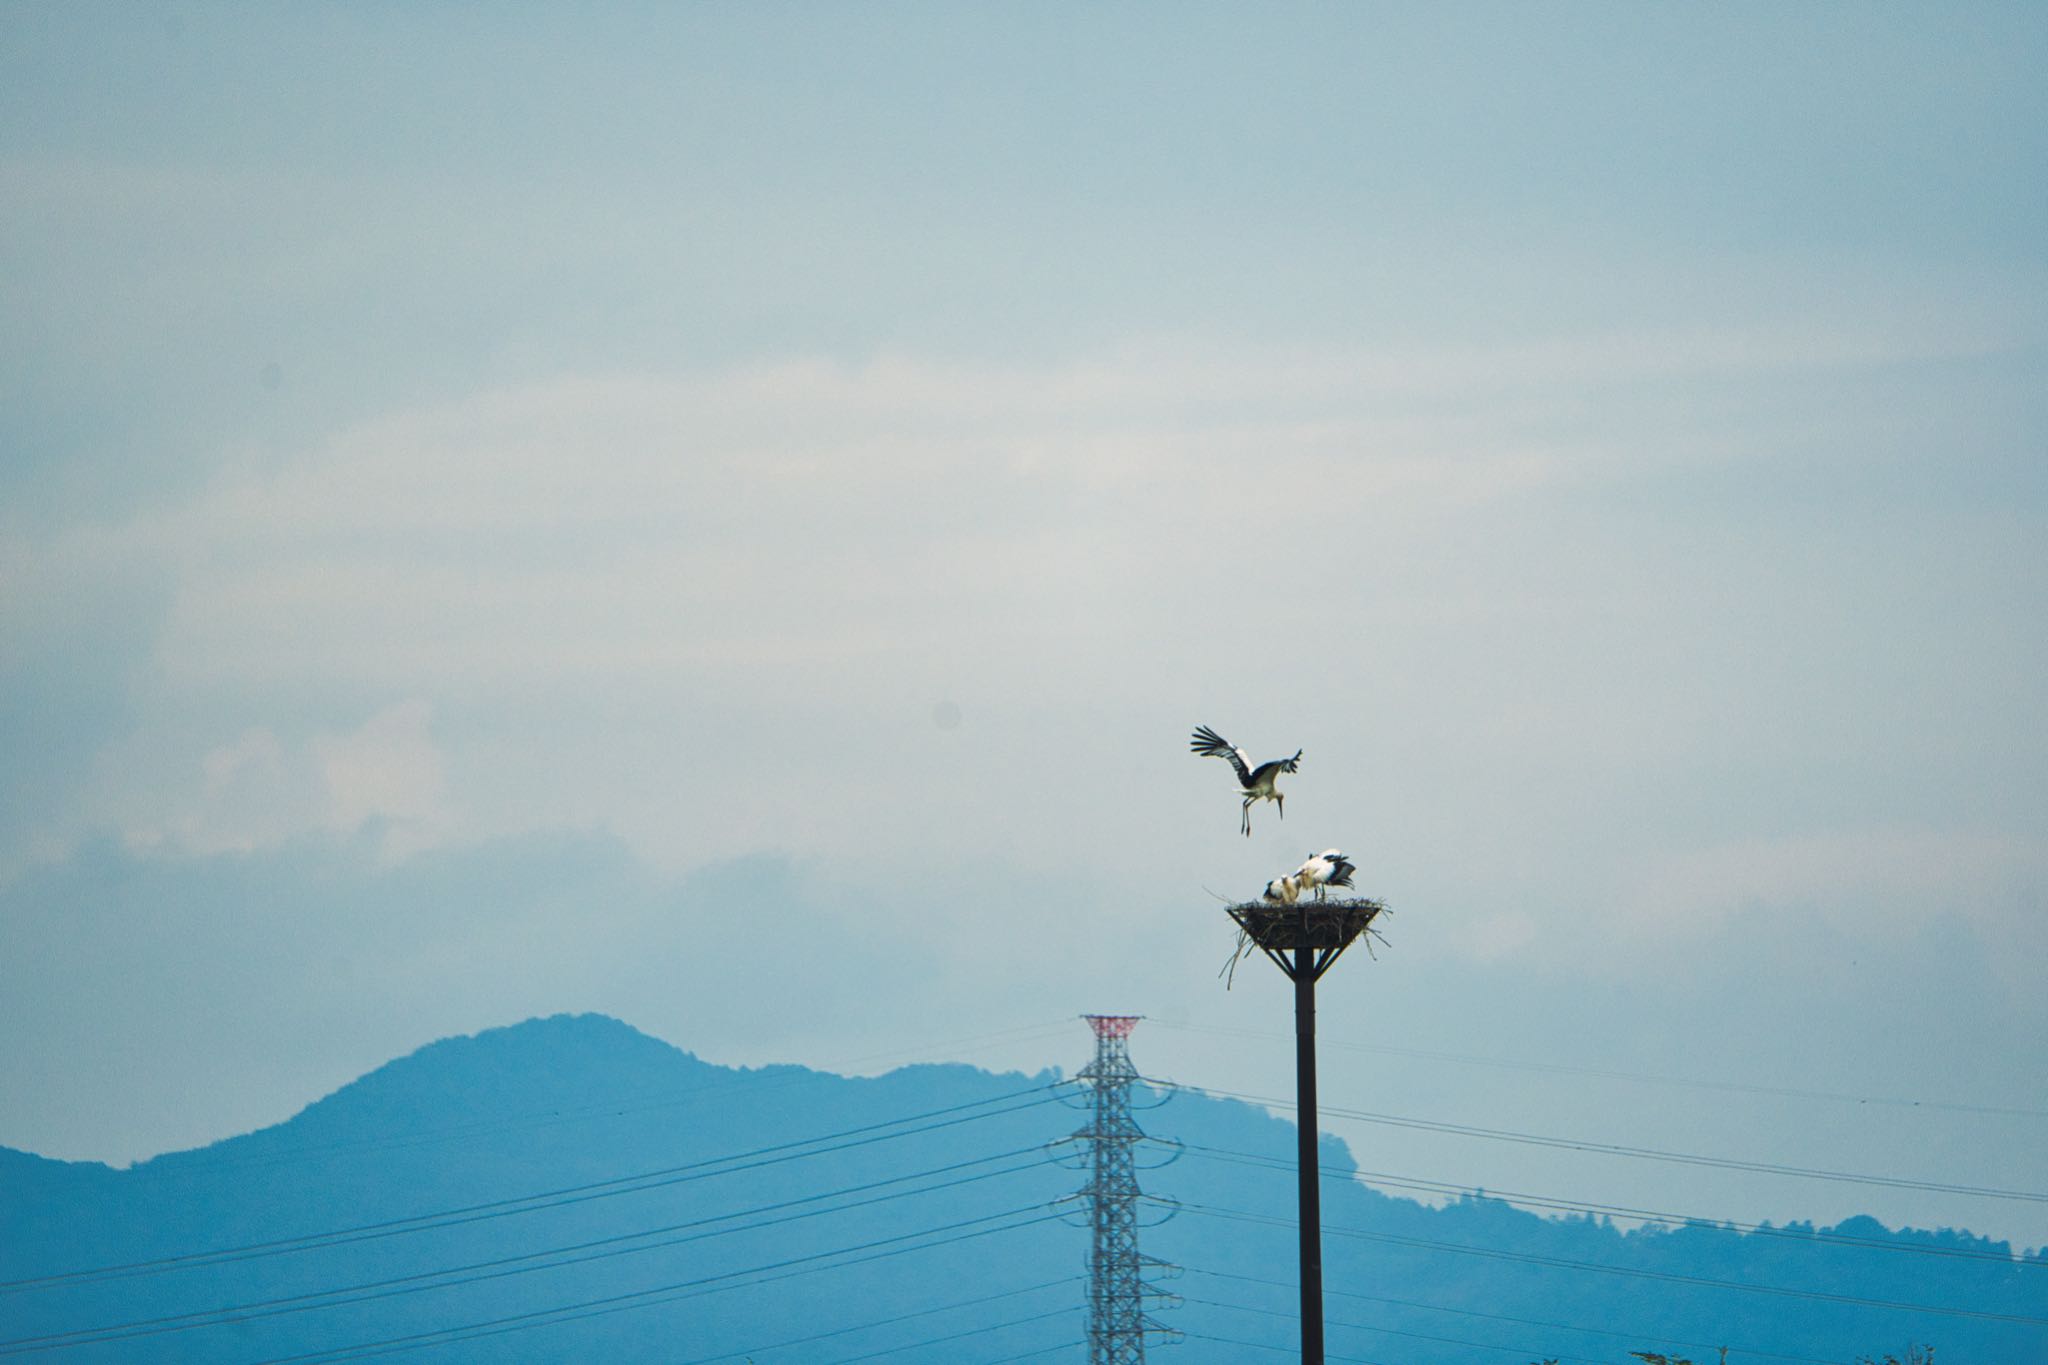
point(1617, 1149)
point(1391, 1331)
point(1504, 1317)
point(1378, 1179)
point(1464, 1341)
point(1282, 1350)
point(970, 1332)
point(1531, 1258)
point(1783, 1092)
point(753, 1159)
point(455, 1276)
point(189, 1165)
point(1043, 1350)
point(749, 1351)
point(713, 1284)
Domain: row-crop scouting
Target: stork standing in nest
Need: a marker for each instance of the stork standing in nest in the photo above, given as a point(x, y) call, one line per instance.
point(1256, 782)
point(1326, 869)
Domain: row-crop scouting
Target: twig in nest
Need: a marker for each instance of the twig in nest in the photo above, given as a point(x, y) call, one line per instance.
point(1229, 969)
point(1370, 934)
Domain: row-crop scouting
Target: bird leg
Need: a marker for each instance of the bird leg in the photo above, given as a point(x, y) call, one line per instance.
point(1245, 824)
point(1280, 801)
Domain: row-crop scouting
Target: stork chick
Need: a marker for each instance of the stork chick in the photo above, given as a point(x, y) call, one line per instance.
point(1326, 869)
point(1282, 890)
point(1256, 783)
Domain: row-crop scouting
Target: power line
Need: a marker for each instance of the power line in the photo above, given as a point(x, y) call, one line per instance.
point(1041, 1351)
point(1617, 1149)
point(940, 1341)
point(1531, 1258)
point(1736, 1087)
point(1380, 1179)
point(882, 1322)
point(1390, 1331)
point(732, 1163)
point(191, 1166)
point(455, 1276)
point(713, 1284)
point(736, 1162)
point(1522, 1322)
point(1282, 1350)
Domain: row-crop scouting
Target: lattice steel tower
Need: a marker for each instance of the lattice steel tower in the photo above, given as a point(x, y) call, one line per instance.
point(1117, 1290)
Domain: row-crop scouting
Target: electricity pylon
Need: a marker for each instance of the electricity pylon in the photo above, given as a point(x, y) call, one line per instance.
point(1117, 1289)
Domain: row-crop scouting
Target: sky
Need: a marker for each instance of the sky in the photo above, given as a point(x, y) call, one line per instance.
point(727, 515)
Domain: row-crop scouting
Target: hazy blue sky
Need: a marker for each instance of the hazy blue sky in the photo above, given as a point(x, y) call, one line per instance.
point(516, 510)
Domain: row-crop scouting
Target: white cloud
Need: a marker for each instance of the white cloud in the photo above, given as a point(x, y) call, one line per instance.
point(793, 517)
point(712, 612)
point(786, 515)
point(253, 793)
point(1882, 874)
point(388, 770)
point(258, 791)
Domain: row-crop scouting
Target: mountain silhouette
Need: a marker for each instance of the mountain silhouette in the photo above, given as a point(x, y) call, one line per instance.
point(572, 1189)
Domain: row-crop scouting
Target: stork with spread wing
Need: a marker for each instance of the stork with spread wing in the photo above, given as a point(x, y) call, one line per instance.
point(1256, 783)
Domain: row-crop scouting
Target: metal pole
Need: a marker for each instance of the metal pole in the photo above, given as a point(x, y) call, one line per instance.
point(1305, 1121)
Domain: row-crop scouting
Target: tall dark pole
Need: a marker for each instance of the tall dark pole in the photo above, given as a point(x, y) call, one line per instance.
point(1304, 975)
point(1302, 940)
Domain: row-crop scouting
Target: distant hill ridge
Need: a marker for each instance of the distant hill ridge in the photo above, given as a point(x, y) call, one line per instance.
point(674, 1186)
point(530, 1069)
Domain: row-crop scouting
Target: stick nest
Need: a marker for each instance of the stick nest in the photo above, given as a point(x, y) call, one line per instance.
point(1324, 927)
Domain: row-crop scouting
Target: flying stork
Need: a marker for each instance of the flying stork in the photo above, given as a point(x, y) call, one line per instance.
point(1257, 782)
point(1328, 868)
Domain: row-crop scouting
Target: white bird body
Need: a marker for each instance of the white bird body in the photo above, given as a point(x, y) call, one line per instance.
point(1256, 784)
point(1283, 890)
point(1326, 869)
